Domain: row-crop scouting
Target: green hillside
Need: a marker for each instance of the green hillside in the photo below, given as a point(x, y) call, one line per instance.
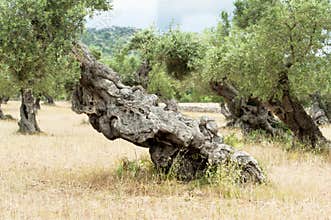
point(106, 40)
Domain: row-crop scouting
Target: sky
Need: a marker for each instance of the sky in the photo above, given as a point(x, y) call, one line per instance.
point(190, 15)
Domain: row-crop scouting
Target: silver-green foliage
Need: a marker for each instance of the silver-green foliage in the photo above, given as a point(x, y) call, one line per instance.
point(291, 35)
point(37, 35)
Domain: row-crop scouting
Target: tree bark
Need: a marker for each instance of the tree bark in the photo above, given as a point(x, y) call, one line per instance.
point(28, 123)
point(2, 115)
point(37, 103)
point(320, 110)
point(49, 99)
point(250, 114)
point(292, 113)
point(175, 142)
point(4, 99)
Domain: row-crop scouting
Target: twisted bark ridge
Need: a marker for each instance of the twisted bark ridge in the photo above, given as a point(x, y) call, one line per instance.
point(291, 112)
point(249, 114)
point(175, 142)
point(320, 110)
point(49, 99)
point(28, 111)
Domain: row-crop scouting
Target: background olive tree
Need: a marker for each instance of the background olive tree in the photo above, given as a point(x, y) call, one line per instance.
point(280, 59)
point(168, 64)
point(35, 36)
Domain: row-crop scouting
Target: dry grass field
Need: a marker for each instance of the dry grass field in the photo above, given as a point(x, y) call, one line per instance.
point(72, 172)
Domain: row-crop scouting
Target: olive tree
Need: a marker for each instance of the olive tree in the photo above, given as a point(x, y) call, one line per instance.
point(34, 36)
point(280, 60)
point(166, 59)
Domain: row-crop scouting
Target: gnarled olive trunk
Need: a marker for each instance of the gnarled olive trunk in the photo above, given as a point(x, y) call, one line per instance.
point(37, 103)
point(2, 115)
point(4, 99)
point(186, 146)
point(248, 113)
point(289, 110)
point(320, 110)
point(28, 123)
point(49, 99)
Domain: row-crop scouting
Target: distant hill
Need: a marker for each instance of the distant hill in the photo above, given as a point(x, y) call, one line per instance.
point(108, 39)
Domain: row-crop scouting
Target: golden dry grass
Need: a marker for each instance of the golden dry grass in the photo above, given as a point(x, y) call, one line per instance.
point(70, 173)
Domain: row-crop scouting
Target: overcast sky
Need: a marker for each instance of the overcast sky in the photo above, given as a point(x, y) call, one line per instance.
point(191, 15)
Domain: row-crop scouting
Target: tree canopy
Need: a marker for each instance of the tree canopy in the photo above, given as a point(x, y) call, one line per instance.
point(291, 37)
point(35, 34)
point(36, 39)
point(249, 12)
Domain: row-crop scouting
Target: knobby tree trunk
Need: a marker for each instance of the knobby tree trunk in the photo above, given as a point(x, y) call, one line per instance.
point(185, 146)
point(248, 113)
point(4, 99)
point(28, 123)
point(320, 110)
point(289, 110)
point(49, 99)
point(37, 103)
point(2, 115)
